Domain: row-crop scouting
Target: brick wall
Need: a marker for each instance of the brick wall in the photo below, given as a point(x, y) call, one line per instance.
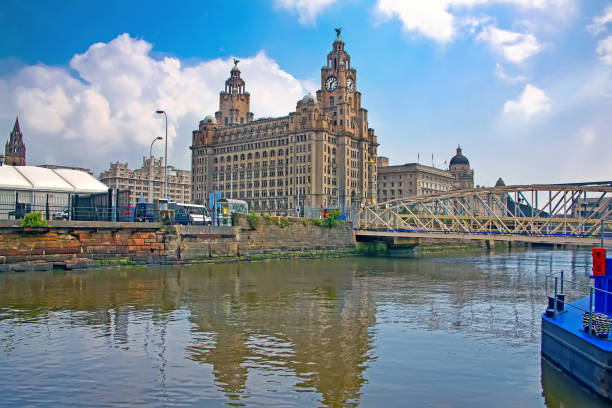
point(82, 244)
point(199, 241)
point(73, 245)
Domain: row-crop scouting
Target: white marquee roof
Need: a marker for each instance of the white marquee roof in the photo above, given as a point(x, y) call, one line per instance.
point(43, 179)
point(12, 179)
point(82, 182)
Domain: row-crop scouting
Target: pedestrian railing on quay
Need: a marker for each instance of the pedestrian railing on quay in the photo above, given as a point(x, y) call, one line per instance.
point(69, 213)
point(557, 302)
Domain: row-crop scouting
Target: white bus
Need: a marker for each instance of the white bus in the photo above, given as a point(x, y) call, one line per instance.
point(192, 214)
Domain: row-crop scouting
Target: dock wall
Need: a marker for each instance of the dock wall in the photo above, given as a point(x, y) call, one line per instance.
point(74, 245)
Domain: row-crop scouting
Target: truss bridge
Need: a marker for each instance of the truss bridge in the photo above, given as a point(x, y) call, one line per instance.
point(575, 213)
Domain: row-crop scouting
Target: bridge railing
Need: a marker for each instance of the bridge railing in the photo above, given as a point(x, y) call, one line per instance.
point(506, 210)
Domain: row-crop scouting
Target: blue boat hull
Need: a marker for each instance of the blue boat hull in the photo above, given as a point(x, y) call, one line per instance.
point(585, 358)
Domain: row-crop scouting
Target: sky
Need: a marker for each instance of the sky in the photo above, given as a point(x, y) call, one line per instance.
point(524, 86)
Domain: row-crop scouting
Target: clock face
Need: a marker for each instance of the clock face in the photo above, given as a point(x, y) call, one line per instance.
point(331, 84)
point(350, 84)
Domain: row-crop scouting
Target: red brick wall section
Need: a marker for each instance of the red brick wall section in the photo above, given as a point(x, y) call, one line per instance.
point(55, 245)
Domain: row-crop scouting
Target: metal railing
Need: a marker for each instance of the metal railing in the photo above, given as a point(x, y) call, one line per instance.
point(67, 212)
point(533, 211)
point(558, 297)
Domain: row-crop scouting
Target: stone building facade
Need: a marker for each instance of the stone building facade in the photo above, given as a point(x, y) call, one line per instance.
point(411, 179)
point(150, 177)
point(14, 150)
point(459, 167)
point(310, 158)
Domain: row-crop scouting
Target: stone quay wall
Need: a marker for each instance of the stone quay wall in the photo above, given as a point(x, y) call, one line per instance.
point(300, 237)
point(74, 245)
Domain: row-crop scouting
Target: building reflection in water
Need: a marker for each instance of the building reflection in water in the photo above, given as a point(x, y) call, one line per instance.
point(317, 328)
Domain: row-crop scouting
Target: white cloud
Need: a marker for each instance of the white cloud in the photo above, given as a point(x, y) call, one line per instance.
point(107, 111)
point(533, 100)
point(604, 50)
point(429, 18)
point(441, 20)
point(307, 10)
point(599, 22)
point(514, 47)
point(502, 74)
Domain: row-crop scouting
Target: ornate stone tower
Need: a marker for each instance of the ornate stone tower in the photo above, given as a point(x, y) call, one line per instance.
point(14, 150)
point(234, 101)
point(460, 169)
point(341, 102)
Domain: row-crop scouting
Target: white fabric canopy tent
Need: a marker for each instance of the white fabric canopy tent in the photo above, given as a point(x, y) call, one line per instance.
point(52, 180)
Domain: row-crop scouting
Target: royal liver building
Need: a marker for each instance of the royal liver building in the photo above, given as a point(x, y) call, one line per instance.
point(323, 155)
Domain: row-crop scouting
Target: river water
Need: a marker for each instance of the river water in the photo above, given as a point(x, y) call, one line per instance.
point(459, 331)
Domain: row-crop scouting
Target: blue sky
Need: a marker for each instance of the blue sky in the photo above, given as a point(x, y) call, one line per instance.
point(525, 86)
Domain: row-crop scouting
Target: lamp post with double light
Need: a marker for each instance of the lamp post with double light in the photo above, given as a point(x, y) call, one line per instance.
point(150, 198)
point(159, 112)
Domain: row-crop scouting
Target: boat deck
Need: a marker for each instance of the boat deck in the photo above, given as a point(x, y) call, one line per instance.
point(571, 320)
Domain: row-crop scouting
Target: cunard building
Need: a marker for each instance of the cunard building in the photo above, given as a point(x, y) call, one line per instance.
point(320, 156)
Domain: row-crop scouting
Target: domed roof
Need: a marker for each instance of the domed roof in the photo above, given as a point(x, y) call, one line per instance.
point(309, 98)
point(210, 119)
point(459, 158)
point(500, 183)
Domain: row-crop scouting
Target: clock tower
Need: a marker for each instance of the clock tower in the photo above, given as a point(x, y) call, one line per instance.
point(356, 142)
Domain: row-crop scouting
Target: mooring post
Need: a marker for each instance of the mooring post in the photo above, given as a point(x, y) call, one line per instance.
point(591, 312)
point(555, 305)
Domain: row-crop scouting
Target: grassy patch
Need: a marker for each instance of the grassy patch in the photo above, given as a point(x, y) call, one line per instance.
point(253, 220)
point(33, 220)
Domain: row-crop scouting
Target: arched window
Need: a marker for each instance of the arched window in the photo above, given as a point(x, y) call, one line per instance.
point(229, 158)
point(249, 156)
point(272, 154)
point(217, 160)
point(280, 152)
point(257, 155)
point(264, 154)
point(235, 157)
point(242, 156)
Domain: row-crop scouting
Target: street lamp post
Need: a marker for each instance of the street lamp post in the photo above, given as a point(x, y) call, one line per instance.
point(150, 200)
point(159, 112)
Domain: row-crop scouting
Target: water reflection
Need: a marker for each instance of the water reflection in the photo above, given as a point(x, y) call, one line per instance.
point(327, 332)
point(314, 325)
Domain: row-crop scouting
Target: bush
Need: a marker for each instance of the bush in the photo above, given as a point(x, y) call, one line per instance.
point(317, 222)
point(284, 222)
point(331, 219)
point(304, 222)
point(268, 218)
point(253, 220)
point(33, 220)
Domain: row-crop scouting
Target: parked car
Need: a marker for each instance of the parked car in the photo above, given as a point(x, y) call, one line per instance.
point(145, 212)
point(21, 209)
point(61, 215)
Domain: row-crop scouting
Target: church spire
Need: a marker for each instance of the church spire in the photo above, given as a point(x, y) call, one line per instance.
point(14, 150)
point(16, 128)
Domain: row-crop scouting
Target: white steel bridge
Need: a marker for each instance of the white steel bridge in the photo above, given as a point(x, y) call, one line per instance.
point(576, 213)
